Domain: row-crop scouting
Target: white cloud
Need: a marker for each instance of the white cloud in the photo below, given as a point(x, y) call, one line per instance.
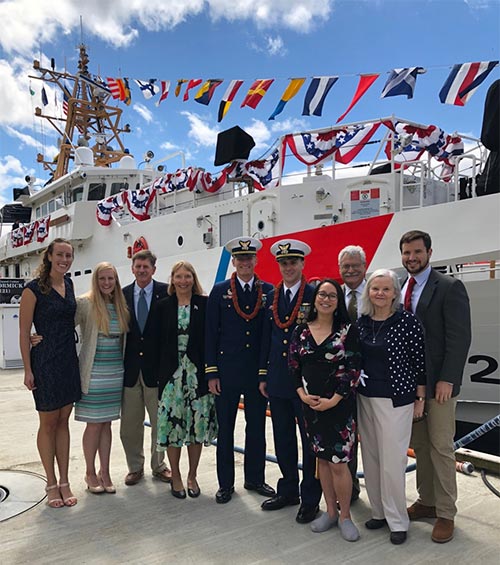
point(260, 133)
point(200, 131)
point(12, 175)
point(144, 112)
point(274, 46)
point(26, 24)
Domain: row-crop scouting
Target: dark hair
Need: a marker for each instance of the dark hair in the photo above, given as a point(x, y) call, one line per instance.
point(43, 271)
point(144, 255)
point(340, 316)
point(413, 235)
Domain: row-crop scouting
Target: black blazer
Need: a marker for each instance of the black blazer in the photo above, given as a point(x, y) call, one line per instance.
point(168, 358)
point(444, 311)
point(140, 349)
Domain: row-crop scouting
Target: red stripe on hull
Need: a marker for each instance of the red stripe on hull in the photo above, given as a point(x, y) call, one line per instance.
point(326, 242)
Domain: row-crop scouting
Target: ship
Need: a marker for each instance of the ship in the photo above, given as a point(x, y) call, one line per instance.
point(109, 206)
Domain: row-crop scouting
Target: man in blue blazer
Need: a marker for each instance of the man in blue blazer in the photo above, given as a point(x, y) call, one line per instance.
point(441, 304)
point(140, 391)
point(287, 306)
point(235, 312)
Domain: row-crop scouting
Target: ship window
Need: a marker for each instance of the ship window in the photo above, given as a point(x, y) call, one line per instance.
point(77, 194)
point(116, 187)
point(59, 202)
point(78, 273)
point(180, 241)
point(97, 191)
point(44, 209)
point(6, 271)
point(231, 226)
point(52, 206)
point(87, 271)
point(17, 271)
point(38, 212)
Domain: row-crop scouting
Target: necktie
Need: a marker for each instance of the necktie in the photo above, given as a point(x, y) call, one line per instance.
point(288, 297)
point(409, 290)
point(352, 309)
point(142, 310)
point(246, 288)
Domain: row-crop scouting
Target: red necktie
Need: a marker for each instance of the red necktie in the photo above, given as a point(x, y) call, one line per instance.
point(409, 290)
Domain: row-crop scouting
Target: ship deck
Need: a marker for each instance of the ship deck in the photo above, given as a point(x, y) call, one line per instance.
point(145, 524)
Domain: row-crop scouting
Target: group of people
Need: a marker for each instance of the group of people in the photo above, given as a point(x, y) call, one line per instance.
point(360, 359)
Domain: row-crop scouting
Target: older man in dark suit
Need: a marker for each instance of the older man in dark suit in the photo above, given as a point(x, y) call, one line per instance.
point(441, 304)
point(235, 312)
point(140, 391)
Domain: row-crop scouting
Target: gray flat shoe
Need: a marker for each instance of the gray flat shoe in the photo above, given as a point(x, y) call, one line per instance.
point(348, 530)
point(324, 523)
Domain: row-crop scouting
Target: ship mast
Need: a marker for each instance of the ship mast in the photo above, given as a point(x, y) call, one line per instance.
point(89, 121)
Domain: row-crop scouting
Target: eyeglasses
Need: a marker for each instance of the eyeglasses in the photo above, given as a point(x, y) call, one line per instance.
point(325, 295)
point(351, 266)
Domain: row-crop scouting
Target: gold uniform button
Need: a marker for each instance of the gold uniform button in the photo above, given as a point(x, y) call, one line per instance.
point(222, 352)
point(287, 317)
point(142, 339)
point(247, 307)
point(141, 354)
point(284, 353)
point(286, 330)
point(285, 341)
point(248, 333)
point(247, 345)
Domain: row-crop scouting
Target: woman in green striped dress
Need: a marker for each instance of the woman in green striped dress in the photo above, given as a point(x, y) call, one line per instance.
point(103, 318)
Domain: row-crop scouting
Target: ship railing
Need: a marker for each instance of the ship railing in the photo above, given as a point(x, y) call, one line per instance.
point(487, 270)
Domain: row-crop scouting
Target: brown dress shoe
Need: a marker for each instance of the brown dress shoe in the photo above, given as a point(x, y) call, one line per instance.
point(443, 530)
point(417, 511)
point(165, 475)
point(134, 478)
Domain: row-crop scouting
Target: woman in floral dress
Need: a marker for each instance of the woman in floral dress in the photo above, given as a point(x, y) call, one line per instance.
point(324, 360)
point(186, 412)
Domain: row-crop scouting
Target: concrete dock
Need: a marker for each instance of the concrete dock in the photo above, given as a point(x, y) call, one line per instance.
point(145, 524)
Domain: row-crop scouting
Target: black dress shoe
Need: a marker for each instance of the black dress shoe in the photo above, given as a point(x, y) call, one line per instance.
point(398, 538)
point(194, 493)
point(375, 523)
point(277, 502)
point(223, 495)
point(264, 489)
point(306, 514)
point(177, 493)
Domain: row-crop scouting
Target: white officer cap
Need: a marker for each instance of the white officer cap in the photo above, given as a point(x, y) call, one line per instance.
point(290, 249)
point(243, 246)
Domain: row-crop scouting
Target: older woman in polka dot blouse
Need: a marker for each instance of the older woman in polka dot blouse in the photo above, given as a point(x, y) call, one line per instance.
point(392, 349)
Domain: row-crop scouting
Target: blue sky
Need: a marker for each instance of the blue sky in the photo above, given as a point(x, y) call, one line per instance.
point(238, 39)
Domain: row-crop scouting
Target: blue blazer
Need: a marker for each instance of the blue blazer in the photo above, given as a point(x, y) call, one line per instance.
point(232, 345)
point(273, 365)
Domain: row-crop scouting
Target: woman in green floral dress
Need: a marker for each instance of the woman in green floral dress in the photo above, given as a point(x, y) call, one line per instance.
point(186, 411)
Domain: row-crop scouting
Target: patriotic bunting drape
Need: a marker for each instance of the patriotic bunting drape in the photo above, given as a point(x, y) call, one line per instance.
point(26, 234)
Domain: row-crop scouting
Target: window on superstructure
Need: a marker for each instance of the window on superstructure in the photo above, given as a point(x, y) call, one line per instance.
point(6, 271)
point(97, 191)
point(17, 271)
point(117, 187)
point(38, 212)
point(45, 209)
point(77, 194)
point(52, 206)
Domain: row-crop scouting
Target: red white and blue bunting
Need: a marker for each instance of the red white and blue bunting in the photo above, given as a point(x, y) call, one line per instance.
point(25, 235)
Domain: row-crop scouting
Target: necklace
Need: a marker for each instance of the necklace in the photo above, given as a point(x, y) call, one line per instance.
point(295, 311)
point(236, 305)
point(375, 334)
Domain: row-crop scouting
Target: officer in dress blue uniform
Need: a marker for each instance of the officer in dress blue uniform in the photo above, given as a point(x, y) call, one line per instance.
point(287, 306)
point(235, 312)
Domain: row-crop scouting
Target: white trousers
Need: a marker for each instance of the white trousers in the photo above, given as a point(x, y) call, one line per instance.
point(385, 434)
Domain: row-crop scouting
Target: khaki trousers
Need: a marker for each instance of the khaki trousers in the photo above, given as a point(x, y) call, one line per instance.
point(432, 440)
point(135, 401)
point(385, 435)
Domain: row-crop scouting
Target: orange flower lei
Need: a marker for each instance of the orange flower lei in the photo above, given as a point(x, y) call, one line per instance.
point(234, 297)
point(295, 311)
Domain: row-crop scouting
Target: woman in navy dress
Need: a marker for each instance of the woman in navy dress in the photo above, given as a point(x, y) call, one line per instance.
point(51, 368)
point(324, 360)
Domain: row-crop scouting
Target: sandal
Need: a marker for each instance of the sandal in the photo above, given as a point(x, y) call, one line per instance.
point(54, 502)
point(70, 500)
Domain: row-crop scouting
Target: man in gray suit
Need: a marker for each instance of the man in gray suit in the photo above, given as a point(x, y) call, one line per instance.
point(441, 304)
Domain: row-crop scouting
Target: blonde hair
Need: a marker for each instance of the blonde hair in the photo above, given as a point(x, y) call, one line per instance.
point(99, 309)
point(197, 288)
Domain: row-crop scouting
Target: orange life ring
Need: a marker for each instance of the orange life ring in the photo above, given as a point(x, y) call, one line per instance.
point(140, 244)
